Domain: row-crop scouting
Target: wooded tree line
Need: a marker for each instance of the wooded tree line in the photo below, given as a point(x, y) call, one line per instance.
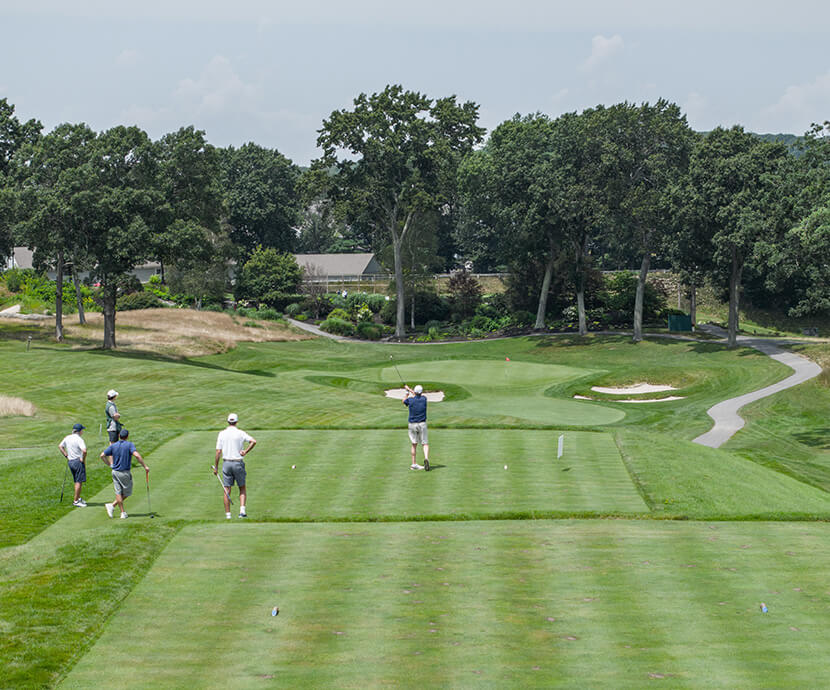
point(411, 178)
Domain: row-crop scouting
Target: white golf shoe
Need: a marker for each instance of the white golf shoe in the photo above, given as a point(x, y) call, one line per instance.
point(110, 508)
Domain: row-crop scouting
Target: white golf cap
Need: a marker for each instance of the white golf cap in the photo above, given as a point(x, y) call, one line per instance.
point(418, 389)
point(111, 393)
point(233, 418)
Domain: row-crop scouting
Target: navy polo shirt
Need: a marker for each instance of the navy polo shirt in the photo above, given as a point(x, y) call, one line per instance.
point(417, 409)
point(122, 455)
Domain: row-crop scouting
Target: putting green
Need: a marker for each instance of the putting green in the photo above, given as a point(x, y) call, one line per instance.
point(365, 474)
point(497, 604)
point(509, 389)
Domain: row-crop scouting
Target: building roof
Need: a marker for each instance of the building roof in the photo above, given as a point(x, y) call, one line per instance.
point(340, 264)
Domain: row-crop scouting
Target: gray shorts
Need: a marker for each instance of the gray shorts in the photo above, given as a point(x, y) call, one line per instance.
point(233, 470)
point(418, 433)
point(78, 470)
point(122, 482)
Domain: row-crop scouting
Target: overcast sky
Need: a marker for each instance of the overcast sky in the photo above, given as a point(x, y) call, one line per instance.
point(270, 71)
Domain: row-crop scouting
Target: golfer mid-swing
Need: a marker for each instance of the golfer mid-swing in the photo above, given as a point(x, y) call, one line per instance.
point(230, 447)
point(416, 401)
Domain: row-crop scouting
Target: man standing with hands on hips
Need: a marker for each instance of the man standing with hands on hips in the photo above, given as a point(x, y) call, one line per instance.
point(73, 449)
point(230, 447)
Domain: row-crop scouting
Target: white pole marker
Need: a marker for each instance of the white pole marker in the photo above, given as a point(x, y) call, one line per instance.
point(561, 448)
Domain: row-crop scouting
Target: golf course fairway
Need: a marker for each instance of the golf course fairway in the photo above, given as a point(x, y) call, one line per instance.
point(530, 604)
point(637, 557)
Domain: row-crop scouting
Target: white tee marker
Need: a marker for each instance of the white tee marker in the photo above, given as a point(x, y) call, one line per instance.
point(561, 448)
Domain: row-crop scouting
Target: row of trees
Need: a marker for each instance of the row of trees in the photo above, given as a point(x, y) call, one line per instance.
point(407, 176)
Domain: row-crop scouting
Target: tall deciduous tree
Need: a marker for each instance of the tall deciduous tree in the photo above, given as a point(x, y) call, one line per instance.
point(646, 150)
point(51, 226)
point(260, 194)
point(189, 184)
point(391, 154)
point(743, 197)
point(513, 198)
point(117, 207)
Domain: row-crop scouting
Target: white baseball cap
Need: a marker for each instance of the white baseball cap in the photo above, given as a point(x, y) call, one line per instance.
point(418, 389)
point(111, 393)
point(233, 418)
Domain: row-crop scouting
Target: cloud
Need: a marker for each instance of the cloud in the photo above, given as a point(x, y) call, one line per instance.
point(128, 58)
point(798, 107)
point(218, 88)
point(602, 49)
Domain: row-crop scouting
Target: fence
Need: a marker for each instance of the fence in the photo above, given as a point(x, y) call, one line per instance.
point(379, 282)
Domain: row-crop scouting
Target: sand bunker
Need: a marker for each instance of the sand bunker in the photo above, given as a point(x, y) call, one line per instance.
point(634, 390)
point(400, 394)
point(668, 399)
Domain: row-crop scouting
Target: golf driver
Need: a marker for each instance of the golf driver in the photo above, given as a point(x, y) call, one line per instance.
point(224, 488)
point(147, 480)
point(65, 472)
point(396, 369)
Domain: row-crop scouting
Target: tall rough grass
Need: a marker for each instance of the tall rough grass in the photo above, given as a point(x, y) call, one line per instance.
point(16, 407)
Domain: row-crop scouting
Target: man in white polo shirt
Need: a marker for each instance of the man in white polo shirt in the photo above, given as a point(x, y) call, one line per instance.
point(73, 449)
point(230, 447)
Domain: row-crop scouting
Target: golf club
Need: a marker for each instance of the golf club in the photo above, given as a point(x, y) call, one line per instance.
point(65, 472)
point(147, 481)
point(224, 488)
point(396, 369)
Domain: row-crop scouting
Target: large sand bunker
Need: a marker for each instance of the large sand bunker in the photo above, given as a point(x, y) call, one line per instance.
point(400, 394)
point(16, 407)
point(636, 389)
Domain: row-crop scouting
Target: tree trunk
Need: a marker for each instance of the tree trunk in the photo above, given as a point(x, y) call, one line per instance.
point(161, 266)
point(397, 242)
point(638, 301)
point(734, 295)
point(78, 297)
point(109, 296)
point(580, 288)
point(693, 305)
point(412, 311)
point(59, 298)
point(543, 296)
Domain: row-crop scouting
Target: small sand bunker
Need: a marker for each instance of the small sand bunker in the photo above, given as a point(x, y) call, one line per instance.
point(16, 407)
point(631, 400)
point(636, 389)
point(400, 394)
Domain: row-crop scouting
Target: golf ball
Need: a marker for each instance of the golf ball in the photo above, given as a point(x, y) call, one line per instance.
point(293, 466)
point(505, 467)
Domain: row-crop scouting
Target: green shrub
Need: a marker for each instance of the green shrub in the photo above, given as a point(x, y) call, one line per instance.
point(363, 313)
point(137, 300)
point(244, 312)
point(369, 331)
point(15, 278)
point(252, 324)
point(428, 307)
point(341, 314)
point(268, 314)
point(337, 326)
point(268, 273)
point(213, 307)
point(522, 319)
point(434, 333)
point(293, 308)
point(280, 300)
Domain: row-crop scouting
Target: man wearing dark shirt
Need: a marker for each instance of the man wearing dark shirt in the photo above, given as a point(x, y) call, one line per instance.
point(416, 401)
point(119, 457)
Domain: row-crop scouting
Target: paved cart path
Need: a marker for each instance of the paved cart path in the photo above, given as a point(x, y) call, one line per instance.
point(725, 414)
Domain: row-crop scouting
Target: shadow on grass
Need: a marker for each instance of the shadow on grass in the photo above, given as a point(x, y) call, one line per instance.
point(152, 357)
point(816, 438)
